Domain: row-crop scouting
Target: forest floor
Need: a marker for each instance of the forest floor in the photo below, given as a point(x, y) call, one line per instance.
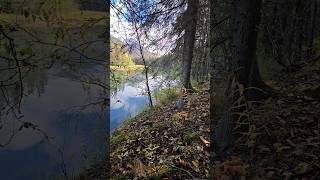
point(283, 140)
point(162, 143)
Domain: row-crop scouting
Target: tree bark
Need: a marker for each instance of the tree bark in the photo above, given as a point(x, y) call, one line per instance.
point(189, 40)
point(145, 66)
point(311, 34)
point(188, 45)
point(244, 39)
point(246, 18)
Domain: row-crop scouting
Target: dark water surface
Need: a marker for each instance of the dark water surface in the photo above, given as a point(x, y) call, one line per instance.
point(67, 137)
point(63, 123)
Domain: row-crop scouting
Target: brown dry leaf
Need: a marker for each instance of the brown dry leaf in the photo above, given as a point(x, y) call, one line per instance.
point(205, 142)
point(183, 163)
point(139, 168)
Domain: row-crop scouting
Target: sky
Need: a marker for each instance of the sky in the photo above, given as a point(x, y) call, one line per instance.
point(120, 28)
point(123, 30)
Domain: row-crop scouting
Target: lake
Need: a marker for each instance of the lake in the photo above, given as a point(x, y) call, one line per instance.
point(131, 98)
point(61, 125)
point(76, 136)
point(71, 127)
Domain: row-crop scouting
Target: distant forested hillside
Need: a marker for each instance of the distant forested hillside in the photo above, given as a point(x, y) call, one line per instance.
point(132, 48)
point(119, 55)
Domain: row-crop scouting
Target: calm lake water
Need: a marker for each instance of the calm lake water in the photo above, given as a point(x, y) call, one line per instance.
point(132, 98)
point(75, 135)
point(66, 105)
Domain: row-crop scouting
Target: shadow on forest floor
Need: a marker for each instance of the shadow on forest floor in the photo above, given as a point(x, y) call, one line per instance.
point(283, 141)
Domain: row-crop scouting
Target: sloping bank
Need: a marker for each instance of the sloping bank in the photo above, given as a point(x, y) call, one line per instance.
point(284, 143)
point(161, 143)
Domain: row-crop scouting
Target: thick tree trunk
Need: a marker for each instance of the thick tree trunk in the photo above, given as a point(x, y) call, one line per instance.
point(246, 18)
point(313, 14)
point(245, 31)
point(299, 30)
point(188, 45)
point(189, 40)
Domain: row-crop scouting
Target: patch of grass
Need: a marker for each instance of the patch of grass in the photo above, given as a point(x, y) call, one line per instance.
point(164, 96)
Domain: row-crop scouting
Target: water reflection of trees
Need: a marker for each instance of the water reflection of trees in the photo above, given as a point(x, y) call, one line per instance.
point(28, 54)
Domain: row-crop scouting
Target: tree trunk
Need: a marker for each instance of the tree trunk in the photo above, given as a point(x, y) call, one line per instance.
point(311, 34)
point(246, 17)
point(145, 66)
point(245, 31)
point(189, 40)
point(188, 45)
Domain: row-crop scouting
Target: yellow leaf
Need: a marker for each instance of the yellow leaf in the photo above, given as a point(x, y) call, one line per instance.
point(195, 163)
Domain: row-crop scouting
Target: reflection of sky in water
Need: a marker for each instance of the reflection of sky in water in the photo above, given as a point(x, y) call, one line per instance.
point(131, 100)
point(125, 104)
point(75, 134)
